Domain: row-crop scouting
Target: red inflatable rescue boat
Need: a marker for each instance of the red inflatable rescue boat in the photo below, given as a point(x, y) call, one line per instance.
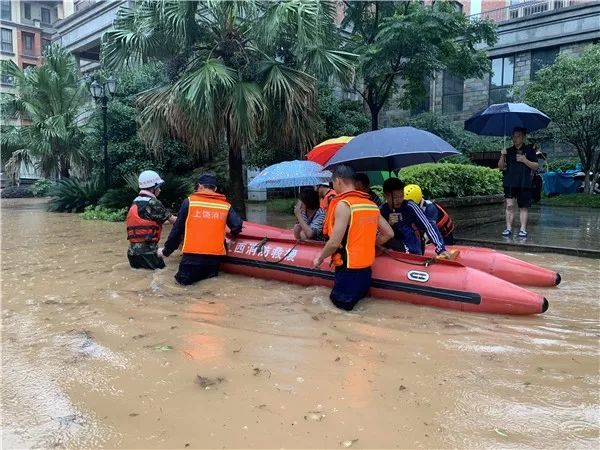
point(267, 252)
point(503, 266)
point(487, 260)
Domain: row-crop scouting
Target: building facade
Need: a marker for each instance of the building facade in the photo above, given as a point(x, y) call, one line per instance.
point(531, 35)
point(81, 33)
point(26, 28)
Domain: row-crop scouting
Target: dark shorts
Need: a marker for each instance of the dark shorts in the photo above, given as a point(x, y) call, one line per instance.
point(523, 195)
point(350, 286)
point(192, 273)
point(147, 261)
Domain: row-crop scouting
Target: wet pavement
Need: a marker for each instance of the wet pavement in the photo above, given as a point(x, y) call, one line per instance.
point(550, 228)
point(95, 354)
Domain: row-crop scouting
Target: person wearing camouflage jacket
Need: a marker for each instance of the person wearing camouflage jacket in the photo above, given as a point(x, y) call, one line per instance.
point(144, 223)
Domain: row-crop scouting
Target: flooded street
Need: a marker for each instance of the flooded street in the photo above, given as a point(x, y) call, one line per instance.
point(96, 354)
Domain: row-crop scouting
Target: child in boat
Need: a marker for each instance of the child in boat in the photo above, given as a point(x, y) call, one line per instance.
point(405, 216)
point(436, 215)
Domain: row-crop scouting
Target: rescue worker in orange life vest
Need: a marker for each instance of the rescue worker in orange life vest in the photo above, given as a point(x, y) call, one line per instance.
point(436, 215)
point(355, 226)
point(144, 223)
point(325, 194)
point(201, 223)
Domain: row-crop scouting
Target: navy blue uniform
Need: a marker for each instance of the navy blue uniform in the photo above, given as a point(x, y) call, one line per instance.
point(194, 267)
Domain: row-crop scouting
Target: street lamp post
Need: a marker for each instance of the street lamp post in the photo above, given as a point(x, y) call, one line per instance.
point(102, 92)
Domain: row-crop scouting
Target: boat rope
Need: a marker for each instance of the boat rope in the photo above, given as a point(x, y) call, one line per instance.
point(425, 263)
point(261, 245)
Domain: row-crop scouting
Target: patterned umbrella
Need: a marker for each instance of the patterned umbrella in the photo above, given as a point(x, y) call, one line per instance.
point(324, 151)
point(290, 174)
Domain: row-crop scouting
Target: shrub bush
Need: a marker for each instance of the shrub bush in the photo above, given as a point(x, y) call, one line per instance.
point(173, 192)
point(562, 164)
point(453, 180)
point(100, 213)
point(73, 195)
point(41, 188)
point(16, 192)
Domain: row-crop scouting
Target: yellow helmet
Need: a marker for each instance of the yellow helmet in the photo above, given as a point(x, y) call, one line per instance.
point(413, 192)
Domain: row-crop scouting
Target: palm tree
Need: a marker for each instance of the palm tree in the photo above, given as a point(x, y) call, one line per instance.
point(239, 70)
point(50, 103)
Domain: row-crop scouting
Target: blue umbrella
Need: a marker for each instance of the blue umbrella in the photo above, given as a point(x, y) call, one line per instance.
point(391, 149)
point(290, 174)
point(502, 118)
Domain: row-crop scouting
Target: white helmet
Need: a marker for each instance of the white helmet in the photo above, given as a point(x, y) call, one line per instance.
point(149, 179)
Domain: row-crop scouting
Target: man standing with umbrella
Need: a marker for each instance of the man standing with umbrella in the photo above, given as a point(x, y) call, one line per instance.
point(518, 164)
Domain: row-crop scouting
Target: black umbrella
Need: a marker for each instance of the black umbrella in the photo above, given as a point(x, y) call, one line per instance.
point(391, 149)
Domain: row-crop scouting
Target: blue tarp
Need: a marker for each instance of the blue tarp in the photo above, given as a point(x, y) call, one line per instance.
point(560, 182)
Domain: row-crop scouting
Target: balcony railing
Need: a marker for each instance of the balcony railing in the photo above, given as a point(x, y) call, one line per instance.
point(29, 52)
point(526, 8)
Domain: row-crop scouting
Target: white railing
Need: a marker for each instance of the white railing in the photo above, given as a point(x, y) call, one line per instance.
point(526, 8)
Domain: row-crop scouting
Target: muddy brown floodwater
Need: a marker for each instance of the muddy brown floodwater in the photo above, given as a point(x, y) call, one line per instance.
point(96, 354)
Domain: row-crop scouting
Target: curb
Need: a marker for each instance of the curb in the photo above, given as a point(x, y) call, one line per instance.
point(586, 253)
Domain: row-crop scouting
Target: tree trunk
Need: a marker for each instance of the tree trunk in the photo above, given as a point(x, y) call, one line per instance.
point(64, 168)
point(374, 118)
point(236, 178)
point(587, 185)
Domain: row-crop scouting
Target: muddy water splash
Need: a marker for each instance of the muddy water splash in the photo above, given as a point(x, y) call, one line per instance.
point(97, 354)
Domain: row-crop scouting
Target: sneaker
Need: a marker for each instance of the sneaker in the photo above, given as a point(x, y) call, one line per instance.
point(522, 234)
point(507, 232)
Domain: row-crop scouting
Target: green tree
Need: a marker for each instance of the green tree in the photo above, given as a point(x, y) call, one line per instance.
point(464, 141)
point(127, 154)
point(340, 117)
point(51, 102)
point(238, 70)
point(410, 41)
point(569, 93)
point(336, 118)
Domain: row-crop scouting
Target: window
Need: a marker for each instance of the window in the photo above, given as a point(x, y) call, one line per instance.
point(27, 10)
point(45, 15)
point(6, 80)
point(5, 9)
point(542, 58)
point(7, 40)
point(501, 79)
point(45, 43)
point(452, 98)
point(28, 39)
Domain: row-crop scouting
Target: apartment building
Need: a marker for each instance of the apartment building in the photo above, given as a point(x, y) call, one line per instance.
point(81, 33)
point(531, 34)
point(26, 29)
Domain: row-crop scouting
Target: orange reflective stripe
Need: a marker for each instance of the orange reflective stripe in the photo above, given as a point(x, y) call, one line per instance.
point(205, 224)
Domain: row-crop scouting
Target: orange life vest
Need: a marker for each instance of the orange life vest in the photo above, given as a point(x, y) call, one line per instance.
point(325, 201)
point(357, 250)
point(138, 228)
point(205, 224)
point(444, 223)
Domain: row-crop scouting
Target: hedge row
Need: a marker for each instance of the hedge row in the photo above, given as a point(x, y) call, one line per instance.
point(453, 180)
